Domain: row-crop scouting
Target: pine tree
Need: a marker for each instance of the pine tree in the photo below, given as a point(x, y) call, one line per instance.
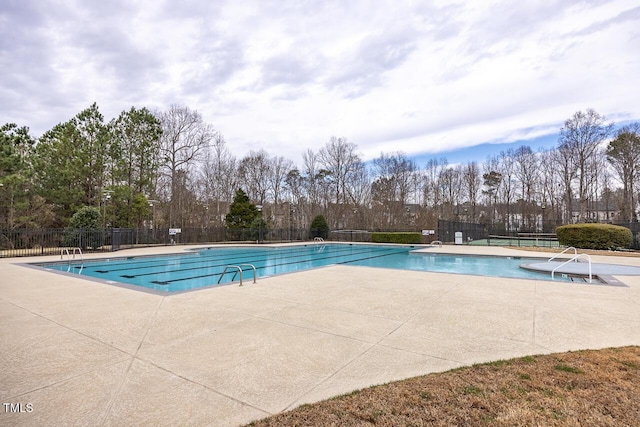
point(319, 227)
point(241, 212)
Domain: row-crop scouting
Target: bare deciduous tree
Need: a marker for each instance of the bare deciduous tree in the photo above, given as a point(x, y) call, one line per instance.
point(339, 158)
point(527, 172)
point(184, 139)
point(450, 183)
point(280, 168)
point(472, 184)
point(580, 140)
point(395, 176)
point(253, 172)
point(432, 194)
point(623, 154)
point(218, 180)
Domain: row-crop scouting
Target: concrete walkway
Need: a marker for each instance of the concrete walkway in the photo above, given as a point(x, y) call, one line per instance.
point(77, 352)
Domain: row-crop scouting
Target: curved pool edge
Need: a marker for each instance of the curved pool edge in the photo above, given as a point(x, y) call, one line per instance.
point(604, 272)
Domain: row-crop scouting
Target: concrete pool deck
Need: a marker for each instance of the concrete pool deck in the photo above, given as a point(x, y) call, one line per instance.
point(75, 351)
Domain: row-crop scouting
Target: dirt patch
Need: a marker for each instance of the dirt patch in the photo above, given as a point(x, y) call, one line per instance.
point(584, 388)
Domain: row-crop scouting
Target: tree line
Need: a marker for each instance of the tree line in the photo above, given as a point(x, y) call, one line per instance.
point(172, 169)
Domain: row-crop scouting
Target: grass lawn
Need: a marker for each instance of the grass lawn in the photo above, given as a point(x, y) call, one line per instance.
point(582, 388)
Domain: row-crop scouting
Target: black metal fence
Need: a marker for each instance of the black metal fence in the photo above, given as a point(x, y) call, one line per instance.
point(635, 230)
point(29, 242)
point(496, 234)
point(350, 235)
point(470, 231)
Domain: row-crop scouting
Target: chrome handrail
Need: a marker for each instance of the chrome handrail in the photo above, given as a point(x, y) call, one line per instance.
point(575, 252)
point(79, 251)
point(69, 256)
point(239, 270)
point(252, 267)
point(572, 259)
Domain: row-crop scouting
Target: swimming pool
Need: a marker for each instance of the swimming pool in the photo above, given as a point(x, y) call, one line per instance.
point(206, 267)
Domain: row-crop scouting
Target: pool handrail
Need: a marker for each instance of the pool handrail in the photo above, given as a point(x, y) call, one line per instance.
point(240, 270)
point(576, 260)
point(575, 253)
point(247, 265)
point(69, 256)
point(436, 242)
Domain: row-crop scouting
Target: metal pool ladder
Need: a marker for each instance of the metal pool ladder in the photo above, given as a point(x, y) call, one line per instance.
point(239, 269)
point(75, 250)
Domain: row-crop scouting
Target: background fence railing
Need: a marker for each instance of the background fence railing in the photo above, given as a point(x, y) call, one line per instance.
point(497, 235)
point(29, 242)
point(635, 230)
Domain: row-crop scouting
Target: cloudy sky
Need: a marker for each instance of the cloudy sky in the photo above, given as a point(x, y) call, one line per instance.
point(421, 77)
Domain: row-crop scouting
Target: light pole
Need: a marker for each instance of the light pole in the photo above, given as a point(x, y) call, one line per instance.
point(259, 207)
point(292, 211)
point(2, 185)
point(106, 196)
point(152, 205)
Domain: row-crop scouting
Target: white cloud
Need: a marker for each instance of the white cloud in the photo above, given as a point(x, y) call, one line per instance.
point(287, 75)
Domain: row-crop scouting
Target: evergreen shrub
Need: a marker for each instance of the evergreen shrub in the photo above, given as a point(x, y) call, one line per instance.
point(402, 237)
point(594, 236)
point(84, 229)
point(319, 227)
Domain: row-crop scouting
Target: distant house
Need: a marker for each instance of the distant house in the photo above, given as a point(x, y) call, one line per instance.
point(597, 211)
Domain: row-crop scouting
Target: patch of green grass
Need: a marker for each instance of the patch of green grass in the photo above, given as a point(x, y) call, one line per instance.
point(351, 393)
point(525, 376)
point(567, 368)
point(372, 418)
point(426, 395)
point(507, 391)
point(338, 414)
point(472, 390)
point(528, 359)
point(557, 414)
point(499, 364)
point(631, 365)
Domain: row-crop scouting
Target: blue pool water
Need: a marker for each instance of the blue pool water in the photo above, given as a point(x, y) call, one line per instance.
point(181, 272)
